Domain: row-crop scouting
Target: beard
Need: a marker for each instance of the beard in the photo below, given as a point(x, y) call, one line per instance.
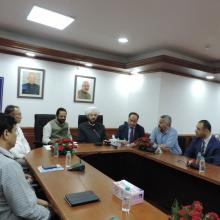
point(92, 121)
point(61, 121)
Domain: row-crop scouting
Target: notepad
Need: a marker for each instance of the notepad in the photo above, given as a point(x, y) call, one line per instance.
point(81, 198)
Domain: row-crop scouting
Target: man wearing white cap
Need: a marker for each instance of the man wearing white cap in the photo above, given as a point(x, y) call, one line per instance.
point(91, 131)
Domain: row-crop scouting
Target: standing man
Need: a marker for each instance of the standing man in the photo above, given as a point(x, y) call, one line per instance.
point(17, 198)
point(91, 131)
point(130, 130)
point(165, 136)
point(205, 143)
point(21, 147)
point(57, 128)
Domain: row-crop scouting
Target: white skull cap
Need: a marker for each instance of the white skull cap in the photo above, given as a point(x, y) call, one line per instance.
point(92, 109)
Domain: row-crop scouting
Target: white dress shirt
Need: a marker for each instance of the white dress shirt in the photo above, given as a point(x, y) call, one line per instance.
point(21, 147)
point(207, 142)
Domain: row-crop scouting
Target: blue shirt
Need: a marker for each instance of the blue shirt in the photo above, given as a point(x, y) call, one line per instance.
point(169, 137)
point(17, 199)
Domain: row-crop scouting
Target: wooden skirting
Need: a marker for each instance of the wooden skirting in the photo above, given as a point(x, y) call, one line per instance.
point(184, 139)
point(29, 134)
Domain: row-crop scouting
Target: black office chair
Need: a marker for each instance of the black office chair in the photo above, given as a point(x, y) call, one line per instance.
point(39, 121)
point(182, 143)
point(83, 118)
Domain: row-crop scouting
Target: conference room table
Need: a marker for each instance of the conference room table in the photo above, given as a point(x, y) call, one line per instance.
point(56, 184)
point(164, 177)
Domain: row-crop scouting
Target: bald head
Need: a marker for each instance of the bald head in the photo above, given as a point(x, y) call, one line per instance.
point(85, 86)
point(31, 78)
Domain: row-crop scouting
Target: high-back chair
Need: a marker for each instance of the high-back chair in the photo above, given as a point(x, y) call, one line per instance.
point(39, 121)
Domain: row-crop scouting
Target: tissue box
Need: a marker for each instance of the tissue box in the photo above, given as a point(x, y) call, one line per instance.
point(136, 194)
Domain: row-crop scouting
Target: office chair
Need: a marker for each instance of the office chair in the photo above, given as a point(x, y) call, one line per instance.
point(182, 143)
point(39, 121)
point(83, 118)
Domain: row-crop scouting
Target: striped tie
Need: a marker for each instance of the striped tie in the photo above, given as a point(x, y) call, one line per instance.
point(203, 147)
point(131, 135)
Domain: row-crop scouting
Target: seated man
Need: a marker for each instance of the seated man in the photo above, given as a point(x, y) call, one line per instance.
point(205, 143)
point(165, 136)
point(57, 128)
point(91, 131)
point(17, 199)
point(130, 130)
point(21, 147)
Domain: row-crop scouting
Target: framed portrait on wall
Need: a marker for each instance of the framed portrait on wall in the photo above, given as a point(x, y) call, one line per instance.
point(30, 83)
point(1, 92)
point(84, 90)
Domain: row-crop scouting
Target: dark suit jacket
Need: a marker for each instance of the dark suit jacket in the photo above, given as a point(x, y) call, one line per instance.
point(122, 132)
point(91, 134)
point(212, 153)
point(32, 89)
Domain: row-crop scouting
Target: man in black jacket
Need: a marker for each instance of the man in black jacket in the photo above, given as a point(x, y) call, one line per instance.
point(91, 131)
point(131, 130)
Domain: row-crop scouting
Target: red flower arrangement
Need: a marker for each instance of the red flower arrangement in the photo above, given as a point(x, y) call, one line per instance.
point(62, 146)
point(191, 212)
point(143, 141)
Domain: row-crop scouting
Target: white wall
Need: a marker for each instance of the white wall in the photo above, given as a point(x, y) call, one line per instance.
point(151, 95)
point(144, 98)
point(58, 91)
point(188, 101)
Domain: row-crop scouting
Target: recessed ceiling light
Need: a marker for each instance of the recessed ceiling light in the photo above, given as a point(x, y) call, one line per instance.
point(123, 40)
point(210, 77)
point(49, 18)
point(88, 64)
point(30, 54)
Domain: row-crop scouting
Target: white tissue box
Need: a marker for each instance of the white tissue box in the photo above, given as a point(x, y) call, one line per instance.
point(136, 194)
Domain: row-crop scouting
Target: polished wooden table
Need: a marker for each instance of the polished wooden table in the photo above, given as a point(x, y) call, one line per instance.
point(163, 177)
point(177, 162)
point(57, 184)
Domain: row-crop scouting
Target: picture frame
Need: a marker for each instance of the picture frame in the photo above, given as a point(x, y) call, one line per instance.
point(30, 83)
point(84, 89)
point(1, 92)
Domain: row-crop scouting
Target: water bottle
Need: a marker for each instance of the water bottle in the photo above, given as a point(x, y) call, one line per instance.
point(202, 164)
point(126, 200)
point(68, 159)
point(56, 151)
point(198, 157)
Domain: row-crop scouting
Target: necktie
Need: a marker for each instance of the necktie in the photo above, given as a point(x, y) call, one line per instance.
point(131, 135)
point(203, 147)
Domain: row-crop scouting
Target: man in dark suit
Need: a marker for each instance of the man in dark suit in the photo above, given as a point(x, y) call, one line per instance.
point(130, 130)
point(91, 131)
point(205, 143)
